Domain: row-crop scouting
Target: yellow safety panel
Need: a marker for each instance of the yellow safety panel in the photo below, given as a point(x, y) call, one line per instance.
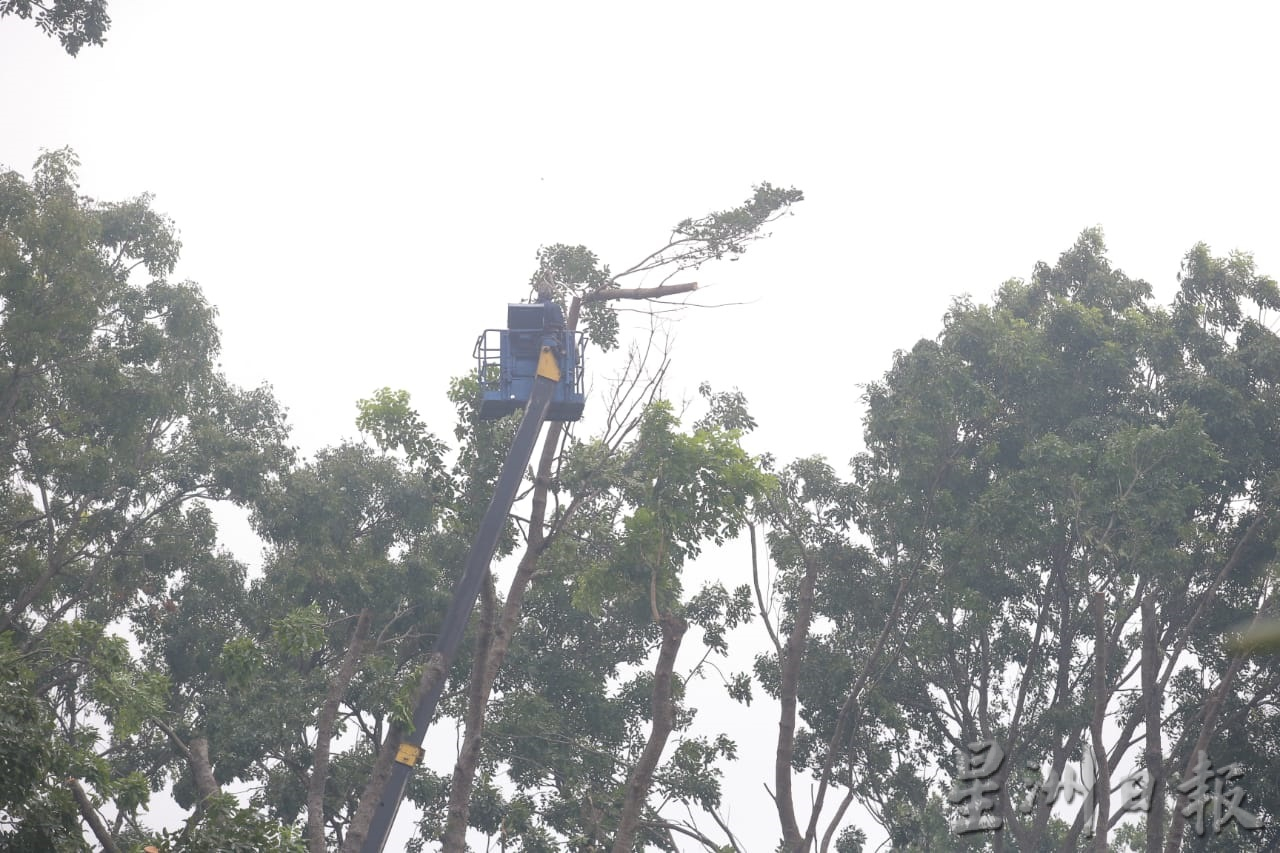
point(548, 366)
point(408, 754)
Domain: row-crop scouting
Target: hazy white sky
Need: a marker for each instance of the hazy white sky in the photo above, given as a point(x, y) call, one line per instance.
point(360, 190)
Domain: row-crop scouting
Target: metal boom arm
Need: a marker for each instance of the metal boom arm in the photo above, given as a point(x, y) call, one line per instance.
point(464, 595)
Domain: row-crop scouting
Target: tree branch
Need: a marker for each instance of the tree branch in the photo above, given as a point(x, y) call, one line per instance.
point(755, 579)
point(324, 734)
point(664, 712)
point(639, 292)
point(91, 816)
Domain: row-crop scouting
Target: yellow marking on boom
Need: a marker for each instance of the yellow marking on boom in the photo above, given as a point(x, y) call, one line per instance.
point(408, 754)
point(548, 366)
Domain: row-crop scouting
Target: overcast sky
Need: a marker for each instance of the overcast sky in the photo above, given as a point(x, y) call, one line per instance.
point(360, 190)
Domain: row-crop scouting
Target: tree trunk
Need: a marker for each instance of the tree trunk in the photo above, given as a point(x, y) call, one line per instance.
point(324, 734)
point(1013, 745)
point(197, 754)
point(1062, 690)
point(851, 709)
point(664, 714)
point(487, 669)
point(835, 821)
point(1153, 702)
point(202, 769)
point(1174, 842)
point(1100, 793)
point(790, 685)
point(455, 830)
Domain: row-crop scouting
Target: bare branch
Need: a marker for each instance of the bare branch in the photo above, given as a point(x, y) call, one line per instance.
point(755, 577)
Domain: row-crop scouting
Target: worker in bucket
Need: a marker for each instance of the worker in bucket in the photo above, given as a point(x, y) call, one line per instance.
point(552, 314)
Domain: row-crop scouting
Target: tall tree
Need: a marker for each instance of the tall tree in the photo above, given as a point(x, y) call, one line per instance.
point(1047, 466)
point(114, 426)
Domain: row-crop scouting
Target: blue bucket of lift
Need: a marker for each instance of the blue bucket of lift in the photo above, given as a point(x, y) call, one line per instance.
point(508, 362)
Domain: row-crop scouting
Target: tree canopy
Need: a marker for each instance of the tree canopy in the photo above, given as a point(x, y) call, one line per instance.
point(1066, 507)
point(1058, 542)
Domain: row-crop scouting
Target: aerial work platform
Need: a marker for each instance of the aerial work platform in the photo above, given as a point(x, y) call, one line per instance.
point(508, 362)
point(535, 364)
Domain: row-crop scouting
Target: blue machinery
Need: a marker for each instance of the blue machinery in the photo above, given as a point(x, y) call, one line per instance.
point(536, 364)
point(508, 361)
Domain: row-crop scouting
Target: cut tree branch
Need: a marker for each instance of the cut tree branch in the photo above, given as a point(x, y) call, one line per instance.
point(639, 292)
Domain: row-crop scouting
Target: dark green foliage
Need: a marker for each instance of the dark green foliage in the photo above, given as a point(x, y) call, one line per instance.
point(726, 409)
point(25, 730)
point(567, 724)
point(725, 232)
point(113, 411)
point(74, 23)
point(1066, 439)
point(229, 828)
point(1070, 437)
point(851, 840)
point(115, 425)
point(577, 271)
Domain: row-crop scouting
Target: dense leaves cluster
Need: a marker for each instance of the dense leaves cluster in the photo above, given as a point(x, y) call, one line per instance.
point(114, 424)
point(74, 23)
point(1068, 445)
